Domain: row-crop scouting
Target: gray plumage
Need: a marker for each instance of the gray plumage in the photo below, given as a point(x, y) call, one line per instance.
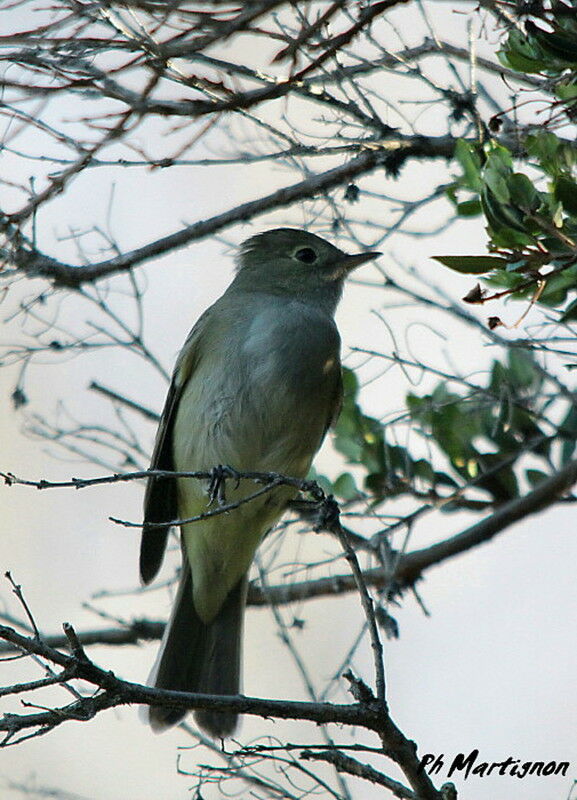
point(255, 387)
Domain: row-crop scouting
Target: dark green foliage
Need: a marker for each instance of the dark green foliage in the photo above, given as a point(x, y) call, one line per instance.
point(484, 431)
point(531, 230)
point(531, 207)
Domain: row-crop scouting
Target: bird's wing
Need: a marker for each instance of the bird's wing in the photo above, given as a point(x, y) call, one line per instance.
point(160, 500)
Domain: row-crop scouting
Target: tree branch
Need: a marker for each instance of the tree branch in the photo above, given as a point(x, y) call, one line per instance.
point(408, 570)
point(351, 766)
point(115, 692)
point(411, 566)
point(25, 257)
point(119, 692)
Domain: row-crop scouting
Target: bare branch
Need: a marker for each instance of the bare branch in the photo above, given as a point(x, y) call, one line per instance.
point(116, 692)
point(351, 766)
point(26, 257)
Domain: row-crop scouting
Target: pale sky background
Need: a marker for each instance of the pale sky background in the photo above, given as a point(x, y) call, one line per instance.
point(492, 668)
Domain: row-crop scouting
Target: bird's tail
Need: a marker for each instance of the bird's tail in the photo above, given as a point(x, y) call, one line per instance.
point(199, 657)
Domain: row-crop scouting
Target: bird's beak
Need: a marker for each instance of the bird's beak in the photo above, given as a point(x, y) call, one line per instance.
point(349, 263)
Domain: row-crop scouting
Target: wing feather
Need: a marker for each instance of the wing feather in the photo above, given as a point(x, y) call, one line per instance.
point(161, 499)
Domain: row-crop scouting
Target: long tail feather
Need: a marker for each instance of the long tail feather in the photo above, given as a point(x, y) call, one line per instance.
point(199, 657)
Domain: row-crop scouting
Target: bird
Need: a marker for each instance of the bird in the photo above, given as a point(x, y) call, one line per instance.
point(255, 387)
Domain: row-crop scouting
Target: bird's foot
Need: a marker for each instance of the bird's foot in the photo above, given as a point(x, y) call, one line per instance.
point(322, 514)
point(217, 483)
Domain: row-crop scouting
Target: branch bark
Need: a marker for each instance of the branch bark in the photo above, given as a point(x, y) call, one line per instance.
point(385, 153)
point(114, 692)
point(409, 569)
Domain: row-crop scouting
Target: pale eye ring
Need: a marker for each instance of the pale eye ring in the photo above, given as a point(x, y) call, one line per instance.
point(307, 255)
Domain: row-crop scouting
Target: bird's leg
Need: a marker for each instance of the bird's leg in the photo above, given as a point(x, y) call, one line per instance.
point(328, 514)
point(217, 483)
point(322, 513)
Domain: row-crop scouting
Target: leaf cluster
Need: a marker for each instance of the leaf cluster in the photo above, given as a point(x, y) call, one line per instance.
point(530, 210)
point(478, 437)
point(547, 46)
point(532, 232)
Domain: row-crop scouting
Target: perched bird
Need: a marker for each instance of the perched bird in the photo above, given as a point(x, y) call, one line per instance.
point(255, 387)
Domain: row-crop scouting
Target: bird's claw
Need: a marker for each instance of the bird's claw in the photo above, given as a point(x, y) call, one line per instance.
point(322, 514)
point(217, 483)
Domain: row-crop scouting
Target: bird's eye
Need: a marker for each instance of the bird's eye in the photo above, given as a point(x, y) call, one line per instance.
point(307, 255)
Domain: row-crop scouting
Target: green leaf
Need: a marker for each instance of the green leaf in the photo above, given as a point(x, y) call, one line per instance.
point(520, 63)
point(499, 157)
point(322, 480)
point(499, 378)
point(521, 54)
point(522, 368)
point(566, 91)
point(505, 220)
point(350, 384)
point(555, 43)
point(570, 313)
point(568, 431)
point(469, 159)
point(423, 469)
point(556, 289)
point(345, 487)
point(469, 208)
point(451, 425)
point(348, 444)
point(508, 280)
point(565, 191)
point(544, 147)
point(557, 215)
point(535, 476)
point(472, 265)
point(497, 183)
point(500, 483)
point(522, 191)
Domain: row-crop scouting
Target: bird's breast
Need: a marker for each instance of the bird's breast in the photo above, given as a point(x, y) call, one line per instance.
point(292, 346)
point(261, 399)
